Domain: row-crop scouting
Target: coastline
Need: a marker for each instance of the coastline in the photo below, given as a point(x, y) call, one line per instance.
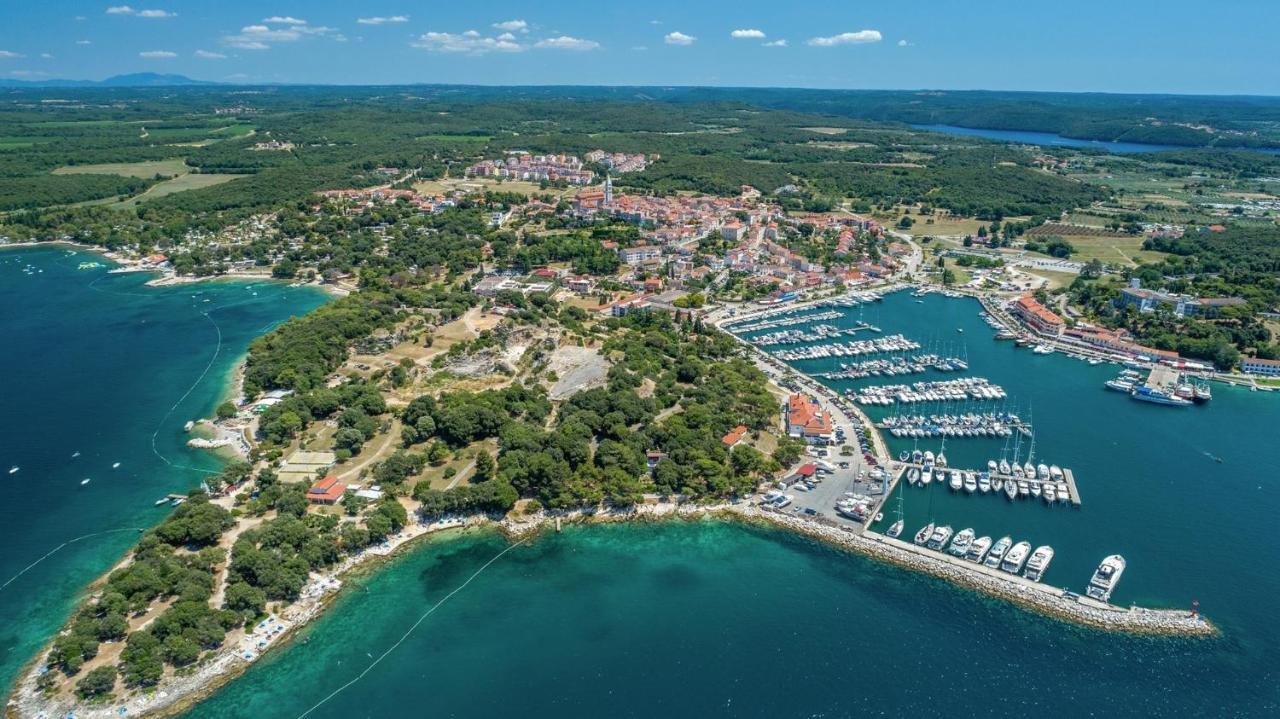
point(176, 694)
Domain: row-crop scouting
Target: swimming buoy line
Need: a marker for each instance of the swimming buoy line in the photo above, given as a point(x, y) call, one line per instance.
point(405, 636)
point(58, 548)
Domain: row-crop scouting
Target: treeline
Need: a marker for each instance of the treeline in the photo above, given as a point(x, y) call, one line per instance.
point(18, 193)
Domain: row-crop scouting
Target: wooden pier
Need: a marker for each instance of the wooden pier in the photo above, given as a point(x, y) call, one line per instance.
point(1070, 478)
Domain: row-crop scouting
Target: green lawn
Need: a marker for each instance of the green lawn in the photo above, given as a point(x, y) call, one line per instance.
point(149, 168)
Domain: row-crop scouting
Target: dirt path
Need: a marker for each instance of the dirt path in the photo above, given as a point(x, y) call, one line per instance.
point(387, 446)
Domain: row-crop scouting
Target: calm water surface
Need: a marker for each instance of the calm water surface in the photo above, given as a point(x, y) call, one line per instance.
point(1049, 139)
point(99, 369)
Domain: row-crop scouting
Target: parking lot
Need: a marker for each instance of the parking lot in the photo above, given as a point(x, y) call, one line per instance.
point(852, 474)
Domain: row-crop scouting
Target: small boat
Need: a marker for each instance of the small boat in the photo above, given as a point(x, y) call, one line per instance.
point(978, 550)
point(162, 500)
point(116, 465)
point(970, 482)
point(926, 476)
point(1011, 489)
point(1063, 494)
point(1055, 473)
point(992, 466)
point(1024, 489)
point(14, 469)
point(1034, 488)
point(997, 552)
point(1004, 467)
point(85, 481)
point(913, 477)
point(956, 481)
point(1038, 563)
point(1119, 385)
point(984, 482)
point(1050, 491)
point(1016, 558)
point(925, 532)
point(1104, 579)
point(894, 529)
point(1042, 471)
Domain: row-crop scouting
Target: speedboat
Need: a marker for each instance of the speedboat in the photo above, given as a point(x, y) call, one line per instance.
point(1104, 579)
point(960, 545)
point(997, 552)
point(894, 529)
point(1038, 563)
point(925, 532)
point(939, 538)
point(1017, 556)
point(978, 550)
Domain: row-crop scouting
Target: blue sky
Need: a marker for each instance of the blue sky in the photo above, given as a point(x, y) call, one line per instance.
point(1114, 46)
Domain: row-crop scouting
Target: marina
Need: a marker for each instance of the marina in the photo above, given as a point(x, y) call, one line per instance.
point(891, 343)
point(894, 366)
point(955, 390)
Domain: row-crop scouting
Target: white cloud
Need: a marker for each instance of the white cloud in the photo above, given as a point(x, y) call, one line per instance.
point(84, 42)
point(512, 26)
point(678, 38)
point(564, 42)
point(903, 43)
point(209, 55)
point(380, 20)
point(748, 34)
point(288, 29)
point(505, 36)
point(8, 55)
point(847, 38)
point(151, 14)
point(47, 55)
point(470, 42)
point(776, 43)
point(640, 48)
point(157, 54)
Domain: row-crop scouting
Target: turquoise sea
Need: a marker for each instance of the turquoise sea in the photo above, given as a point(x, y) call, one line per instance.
point(96, 369)
point(707, 618)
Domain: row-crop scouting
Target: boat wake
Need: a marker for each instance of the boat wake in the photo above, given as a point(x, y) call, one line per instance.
point(405, 636)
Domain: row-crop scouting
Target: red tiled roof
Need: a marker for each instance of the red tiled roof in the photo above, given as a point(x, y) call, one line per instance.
point(328, 489)
point(735, 436)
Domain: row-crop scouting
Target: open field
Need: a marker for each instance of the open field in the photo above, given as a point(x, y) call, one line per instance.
point(177, 184)
point(1056, 279)
point(479, 184)
point(1124, 251)
point(147, 169)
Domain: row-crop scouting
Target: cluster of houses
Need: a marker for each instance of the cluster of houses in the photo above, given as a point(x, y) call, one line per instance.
point(620, 162)
point(535, 168)
point(357, 201)
point(1146, 300)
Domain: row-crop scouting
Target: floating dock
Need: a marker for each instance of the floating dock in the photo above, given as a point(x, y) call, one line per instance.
point(1069, 477)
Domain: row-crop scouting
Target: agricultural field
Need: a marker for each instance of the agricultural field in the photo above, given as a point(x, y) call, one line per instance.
point(177, 184)
point(146, 169)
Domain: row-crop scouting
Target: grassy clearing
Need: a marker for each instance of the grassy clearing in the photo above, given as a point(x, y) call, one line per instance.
point(1056, 279)
point(149, 168)
point(1124, 251)
point(177, 184)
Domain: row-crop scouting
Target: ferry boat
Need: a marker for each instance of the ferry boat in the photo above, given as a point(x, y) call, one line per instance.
point(939, 538)
point(925, 532)
point(978, 550)
point(894, 529)
point(1017, 556)
point(1144, 393)
point(960, 545)
point(1105, 578)
point(997, 552)
point(1038, 563)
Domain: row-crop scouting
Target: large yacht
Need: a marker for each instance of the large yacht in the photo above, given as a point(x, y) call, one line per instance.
point(1016, 557)
point(978, 550)
point(1105, 578)
point(997, 552)
point(960, 546)
point(1039, 562)
point(939, 538)
point(1157, 396)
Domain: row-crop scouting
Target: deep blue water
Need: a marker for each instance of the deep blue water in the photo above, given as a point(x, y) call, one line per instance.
point(100, 365)
point(705, 618)
point(1050, 139)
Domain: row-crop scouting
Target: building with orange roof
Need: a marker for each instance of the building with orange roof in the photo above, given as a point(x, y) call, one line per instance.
point(1037, 316)
point(734, 436)
point(327, 491)
point(806, 418)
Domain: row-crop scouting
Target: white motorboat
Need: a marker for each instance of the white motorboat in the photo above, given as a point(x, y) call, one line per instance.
point(1055, 472)
point(978, 550)
point(956, 481)
point(1105, 578)
point(960, 545)
point(939, 538)
point(984, 482)
point(997, 552)
point(970, 482)
point(1034, 488)
point(1042, 471)
point(925, 532)
point(1016, 558)
point(1063, 494)
point(1050, 492)
point(1038, 563)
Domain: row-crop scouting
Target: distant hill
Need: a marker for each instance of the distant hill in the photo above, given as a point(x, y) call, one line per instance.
point(136, 79)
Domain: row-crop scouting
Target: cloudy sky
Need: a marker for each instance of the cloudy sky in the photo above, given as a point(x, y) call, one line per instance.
point(1088, 45)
